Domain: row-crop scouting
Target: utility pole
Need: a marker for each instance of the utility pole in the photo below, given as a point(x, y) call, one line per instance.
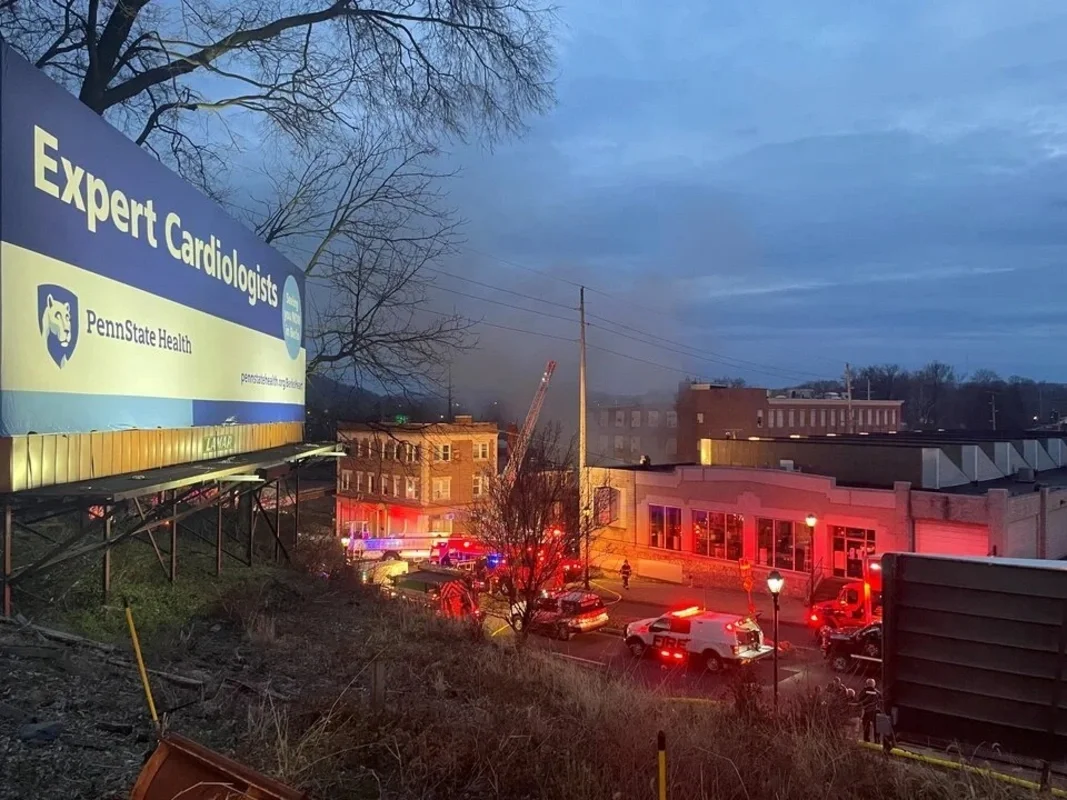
point(993, 406)
point(585, 519)
point(848, 394)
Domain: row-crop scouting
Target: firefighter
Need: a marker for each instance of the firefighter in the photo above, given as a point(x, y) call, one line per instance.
point(870, 705)
point(625, 572)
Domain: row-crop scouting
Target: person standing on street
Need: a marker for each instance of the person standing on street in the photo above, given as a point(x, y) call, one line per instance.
point(625, 572)
point(870, 704)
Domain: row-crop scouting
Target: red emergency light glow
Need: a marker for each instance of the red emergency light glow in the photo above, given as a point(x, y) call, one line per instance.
point(665, 653)
point(686, 612)
point(466, 544)
point(814, 617)
point(874, 565)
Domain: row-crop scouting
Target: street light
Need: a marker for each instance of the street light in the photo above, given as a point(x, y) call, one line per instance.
point(775, 582)
point(810, 521)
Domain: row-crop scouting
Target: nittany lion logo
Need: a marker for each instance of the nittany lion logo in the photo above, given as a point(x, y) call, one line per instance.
point(57, 310)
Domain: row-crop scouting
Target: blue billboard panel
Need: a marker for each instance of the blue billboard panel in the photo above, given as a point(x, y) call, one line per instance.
point(128, 299)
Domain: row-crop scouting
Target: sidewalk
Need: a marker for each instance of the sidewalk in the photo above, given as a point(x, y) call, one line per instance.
point(662, 596)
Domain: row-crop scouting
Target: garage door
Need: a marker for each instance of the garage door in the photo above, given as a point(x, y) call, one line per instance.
point(948, 539)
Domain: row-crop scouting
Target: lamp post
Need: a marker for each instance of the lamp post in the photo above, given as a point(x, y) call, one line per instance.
point(775, 582)
point(810, 521)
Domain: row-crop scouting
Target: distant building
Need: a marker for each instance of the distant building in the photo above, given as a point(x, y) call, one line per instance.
point(622, 430)
point(708, 411)
point(413, 478)
point(969, 494)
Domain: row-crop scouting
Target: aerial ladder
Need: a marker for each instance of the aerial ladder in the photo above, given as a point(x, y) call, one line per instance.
point(522, 441)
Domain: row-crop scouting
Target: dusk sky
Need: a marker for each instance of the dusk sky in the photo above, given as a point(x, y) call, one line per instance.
point(787, 184)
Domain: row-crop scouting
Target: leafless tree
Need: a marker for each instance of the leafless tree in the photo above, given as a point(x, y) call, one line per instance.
point(352, 97)
point(366, 215)
point(302, 66)
point(533, 522)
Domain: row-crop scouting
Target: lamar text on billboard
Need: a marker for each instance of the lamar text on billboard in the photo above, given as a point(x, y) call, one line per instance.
point(135, 333)
point(90, 194)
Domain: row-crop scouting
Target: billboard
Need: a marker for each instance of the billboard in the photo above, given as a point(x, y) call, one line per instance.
point(128, 299)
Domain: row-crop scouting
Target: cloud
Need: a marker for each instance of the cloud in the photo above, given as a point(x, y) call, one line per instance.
point(777, 188)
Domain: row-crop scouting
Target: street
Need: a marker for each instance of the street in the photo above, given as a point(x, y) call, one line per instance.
point(801, 664)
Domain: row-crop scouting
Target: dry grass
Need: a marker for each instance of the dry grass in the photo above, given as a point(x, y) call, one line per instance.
point(465, 718)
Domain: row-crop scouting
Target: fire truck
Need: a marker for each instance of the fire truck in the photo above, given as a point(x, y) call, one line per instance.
point(858, 603)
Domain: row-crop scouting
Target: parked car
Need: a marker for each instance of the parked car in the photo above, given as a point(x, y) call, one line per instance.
point(855, 648)
point(563, 614)
point(710, 637)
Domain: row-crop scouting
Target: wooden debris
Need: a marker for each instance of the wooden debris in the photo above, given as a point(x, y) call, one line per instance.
point(57, 636)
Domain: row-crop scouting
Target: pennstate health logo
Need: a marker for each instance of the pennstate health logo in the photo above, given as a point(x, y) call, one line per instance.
point(57, 311)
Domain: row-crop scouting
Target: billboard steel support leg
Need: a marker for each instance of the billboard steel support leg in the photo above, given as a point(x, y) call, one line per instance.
point(296, 506)
point(8, 539)
point(106, 577)
point(174, 537)
point(277, 519)
point(218, 531)
point(252, 524)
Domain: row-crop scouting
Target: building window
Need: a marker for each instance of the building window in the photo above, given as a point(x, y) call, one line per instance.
point(442, 488)
point(792, 419)
point(892, 416)
point(781, 418)
point(346, 479)
point(476, 488)
point(665, 527)
point(635, 445)
point(359, 481)
point(605, 505)
point(603, 419)
point(718, 535)
point(672, 419)
point(481, 450)
point(364, 448)
point(411, 489)
point(620, 419)
point(700, 418)
point(672, 446)
point(442, 452)
point(635, 419)
point(385, 486)
point(782, 544)
point(759, 418)
point(653, 419)
point(388, 451)
point(822, 418)
point(371, 488)
point(770, 418)
point(850, 548)
point(620, 444)
point(396, 486)
point(604, 444)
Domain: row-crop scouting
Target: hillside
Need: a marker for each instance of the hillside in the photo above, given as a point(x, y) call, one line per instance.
point(277, 671)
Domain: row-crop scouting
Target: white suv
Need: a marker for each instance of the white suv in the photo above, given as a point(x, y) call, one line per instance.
point(716, 639)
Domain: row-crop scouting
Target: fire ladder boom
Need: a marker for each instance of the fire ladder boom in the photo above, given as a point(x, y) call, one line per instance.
point(522, 441)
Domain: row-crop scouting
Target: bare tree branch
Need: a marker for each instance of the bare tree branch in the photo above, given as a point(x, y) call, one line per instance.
point(533, 522)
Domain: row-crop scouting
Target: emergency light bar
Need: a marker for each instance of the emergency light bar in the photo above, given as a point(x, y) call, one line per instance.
point(687, 612)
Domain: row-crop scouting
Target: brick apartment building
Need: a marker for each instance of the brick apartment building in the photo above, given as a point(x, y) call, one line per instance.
point(412, 478)
point(622, 431)
point(750, 501)
point(709, 411)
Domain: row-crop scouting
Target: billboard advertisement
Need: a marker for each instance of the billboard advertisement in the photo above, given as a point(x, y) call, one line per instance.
point(128, 299)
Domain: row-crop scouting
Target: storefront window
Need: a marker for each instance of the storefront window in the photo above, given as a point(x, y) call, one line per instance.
point(718, 535)
point(665, 527)
point(782, 544)
point(850, 547)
